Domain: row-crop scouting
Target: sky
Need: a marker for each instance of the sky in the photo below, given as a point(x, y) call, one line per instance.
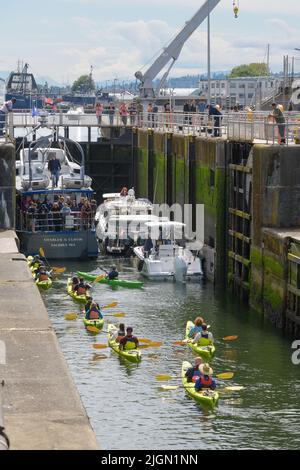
point(63, 38)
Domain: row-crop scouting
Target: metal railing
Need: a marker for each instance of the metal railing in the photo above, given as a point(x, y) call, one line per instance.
point(54, 222)
point(243, 126)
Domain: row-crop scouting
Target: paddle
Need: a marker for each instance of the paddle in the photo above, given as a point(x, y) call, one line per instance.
point(71, 316)
point(223, 375)
point(230, 338)
point(93, 329)
point(55, 269)
point(234, 388)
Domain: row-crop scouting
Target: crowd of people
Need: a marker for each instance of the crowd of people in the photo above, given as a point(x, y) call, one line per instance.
point(63, 213)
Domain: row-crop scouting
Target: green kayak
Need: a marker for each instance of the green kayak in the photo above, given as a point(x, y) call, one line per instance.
point(208, 398)
point(133, 355)
point(44, 284)
point(96, 323)
point(115, 282)
point(205, 349)
point(78, 298)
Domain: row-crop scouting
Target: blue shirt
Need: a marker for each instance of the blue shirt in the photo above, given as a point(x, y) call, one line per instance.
point(194, 331)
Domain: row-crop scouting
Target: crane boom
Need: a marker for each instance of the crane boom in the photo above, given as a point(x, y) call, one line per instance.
point(173, 50)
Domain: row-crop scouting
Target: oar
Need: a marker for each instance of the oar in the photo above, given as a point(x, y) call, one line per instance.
point(230, 338)
point(235, 388)
point(113, 304)
point(99, 346)
point(223, 375)
point(93, 329)
point(71, 316)
point(98, 278)
point(55, 269)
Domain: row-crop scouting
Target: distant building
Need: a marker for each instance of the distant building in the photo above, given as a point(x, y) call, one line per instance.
point(243, 91)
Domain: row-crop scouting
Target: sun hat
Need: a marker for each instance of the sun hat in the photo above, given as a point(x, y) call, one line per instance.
point(205, 369)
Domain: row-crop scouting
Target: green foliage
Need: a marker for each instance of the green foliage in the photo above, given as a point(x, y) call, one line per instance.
point(84, 84)
point(250, 70)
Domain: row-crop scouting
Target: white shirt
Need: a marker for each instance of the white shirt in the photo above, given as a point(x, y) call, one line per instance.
point(7, 107)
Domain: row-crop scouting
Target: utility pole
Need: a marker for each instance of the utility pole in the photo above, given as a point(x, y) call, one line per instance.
point(268, 59)
point(208, 57)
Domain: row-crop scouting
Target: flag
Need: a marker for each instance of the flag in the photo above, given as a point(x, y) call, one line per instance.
point(34, 111)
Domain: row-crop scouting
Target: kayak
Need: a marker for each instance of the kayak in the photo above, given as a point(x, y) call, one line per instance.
point(95, 323)
point(78, 298)
point(114, 282)
point(41, 284)
point(134, 355)
point(44, 284)
point(206, 350)
point(205, 397)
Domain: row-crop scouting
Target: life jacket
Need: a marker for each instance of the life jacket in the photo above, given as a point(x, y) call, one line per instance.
point(204, 335)
point(206, 381)
point(196, 376)
point(43, 277)
point(73, 287)
point(81, 290)
point(130, 344)
point(94, 315)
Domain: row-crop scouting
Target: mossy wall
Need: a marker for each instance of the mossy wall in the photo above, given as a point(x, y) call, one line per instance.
point(180, 168)
point(142, 164)
point(159, 168)
point(269, 277)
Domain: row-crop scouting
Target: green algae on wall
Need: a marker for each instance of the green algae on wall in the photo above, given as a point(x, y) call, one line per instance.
point(159, 178)
point(142, 173)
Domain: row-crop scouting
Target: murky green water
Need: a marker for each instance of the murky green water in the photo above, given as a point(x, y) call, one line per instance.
point(126, 408)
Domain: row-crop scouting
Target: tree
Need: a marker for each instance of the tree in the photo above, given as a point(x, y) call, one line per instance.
point(84, 84)
point(250, 70)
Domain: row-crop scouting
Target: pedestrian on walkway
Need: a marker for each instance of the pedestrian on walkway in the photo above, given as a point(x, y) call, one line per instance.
point(280, 121)
point(4, 110)
point(54, 167)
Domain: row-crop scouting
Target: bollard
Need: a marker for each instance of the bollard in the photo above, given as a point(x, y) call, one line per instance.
point(4, 441)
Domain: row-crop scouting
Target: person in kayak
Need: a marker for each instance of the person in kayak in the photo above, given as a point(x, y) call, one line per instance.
point(193, 373)
point(204, 334)
point(197, 328)
point(92, 310)
point(129, 341)
point(118, 334)
point(82, 287)
point(112, 274)
point(205, 380)
point(36, 261)
point(75, 283)
point(42, 274)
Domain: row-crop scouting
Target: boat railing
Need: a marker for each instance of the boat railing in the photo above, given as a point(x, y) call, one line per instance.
point(54, 222)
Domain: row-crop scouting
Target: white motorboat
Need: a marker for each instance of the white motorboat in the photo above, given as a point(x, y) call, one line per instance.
point(34, 174)
point(162, 258)
point(120, 221)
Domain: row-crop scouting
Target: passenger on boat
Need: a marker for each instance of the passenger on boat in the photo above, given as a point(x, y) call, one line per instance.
point(148, 246)
point(129, 341)
point(205, 380)
point(124, 191)
point(193, 373)
point(75, 283)
point(92, 310)
point(113, 274)
point(118, 334)
point(197, 328)
point(82, 287)
point(204, 334)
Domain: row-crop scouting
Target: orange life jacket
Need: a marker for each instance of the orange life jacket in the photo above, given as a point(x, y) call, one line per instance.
point(94, 315)
point(43, 277)
point(206, 381)
point(81, 291)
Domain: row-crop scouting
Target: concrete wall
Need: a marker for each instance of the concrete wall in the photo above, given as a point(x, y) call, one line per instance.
point(7, 186)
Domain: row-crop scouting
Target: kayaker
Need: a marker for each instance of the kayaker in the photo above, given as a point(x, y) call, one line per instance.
point(197, 328)
point(204, 334)
point(119, 334)
point(82, 287)
point(205, 380)
point(75, 283)
point(193, 373)
point(36, 261)
point(92, 310)
point(129, 341)
point(113, 273)
point(42, 275)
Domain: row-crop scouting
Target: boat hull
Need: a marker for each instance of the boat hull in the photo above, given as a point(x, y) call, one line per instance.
point(61, 245)
point(115, 282)
point(206, 352)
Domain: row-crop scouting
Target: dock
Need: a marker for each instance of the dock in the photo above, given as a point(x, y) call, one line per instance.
point(42, 409)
